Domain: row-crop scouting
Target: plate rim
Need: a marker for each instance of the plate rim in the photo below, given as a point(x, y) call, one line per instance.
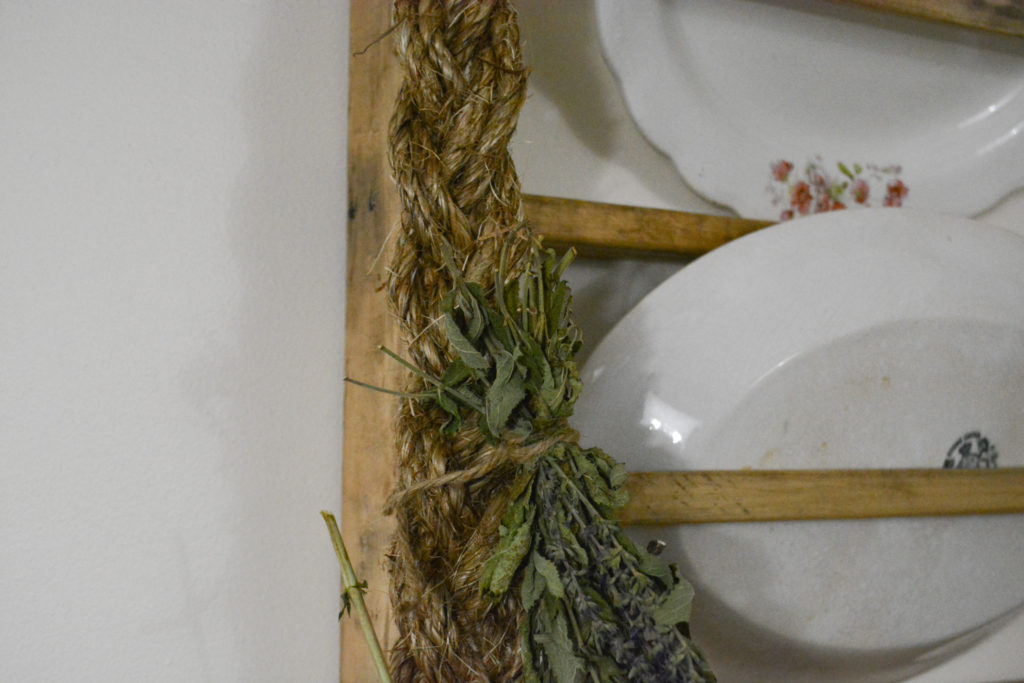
point(745, 193)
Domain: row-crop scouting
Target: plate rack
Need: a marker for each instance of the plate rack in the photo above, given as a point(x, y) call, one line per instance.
point(594, 229)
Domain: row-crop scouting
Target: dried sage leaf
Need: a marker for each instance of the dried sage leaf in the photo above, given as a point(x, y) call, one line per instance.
point(676, 606)
point(504, 394)
point(547, 569)
point(512, 548)
point(532, 587)
point(473, 359)
point(454, 422)
point(559, 650)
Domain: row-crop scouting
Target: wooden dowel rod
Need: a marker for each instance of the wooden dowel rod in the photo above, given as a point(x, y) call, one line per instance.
point(599, 229)
point(773, 495)
point(996, 16)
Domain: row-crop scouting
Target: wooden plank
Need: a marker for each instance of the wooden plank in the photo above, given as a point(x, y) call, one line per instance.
point(367, 468)
point(998, 16)
point(773, 495)
point(599, 229)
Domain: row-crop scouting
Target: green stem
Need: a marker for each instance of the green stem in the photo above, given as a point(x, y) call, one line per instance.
point(592, 674)
point(433, 381)
point(393, 392)
point(410, 367)
point(354, 593)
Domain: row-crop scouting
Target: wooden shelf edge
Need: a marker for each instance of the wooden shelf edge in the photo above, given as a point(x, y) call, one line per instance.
point(1005, 18)
point(600, 229)
point(780, 495)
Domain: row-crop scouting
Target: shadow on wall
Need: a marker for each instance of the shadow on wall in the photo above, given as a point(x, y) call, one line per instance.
point(283, 383)
point(561, 46)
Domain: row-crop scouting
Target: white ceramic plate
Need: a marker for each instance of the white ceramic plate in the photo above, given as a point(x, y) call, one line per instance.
point(873, 338)
point(779, 109)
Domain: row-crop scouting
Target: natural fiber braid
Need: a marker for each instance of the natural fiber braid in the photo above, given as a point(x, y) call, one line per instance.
point(463, 88)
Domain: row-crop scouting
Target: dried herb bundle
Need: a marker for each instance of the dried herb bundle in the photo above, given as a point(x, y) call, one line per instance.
point(597, 607)
point(513, 359)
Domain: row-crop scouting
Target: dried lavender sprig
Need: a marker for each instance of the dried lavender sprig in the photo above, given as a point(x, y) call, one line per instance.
point(616, 591)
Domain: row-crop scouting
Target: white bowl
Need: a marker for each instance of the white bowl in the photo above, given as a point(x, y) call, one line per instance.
point(877, 338)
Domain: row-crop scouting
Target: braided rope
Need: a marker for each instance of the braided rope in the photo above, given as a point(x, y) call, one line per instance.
point(464, 85)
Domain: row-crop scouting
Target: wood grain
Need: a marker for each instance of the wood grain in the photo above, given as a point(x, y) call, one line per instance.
point(767, 495)
point(367, 466)
point(997, 16)
point(599, 229)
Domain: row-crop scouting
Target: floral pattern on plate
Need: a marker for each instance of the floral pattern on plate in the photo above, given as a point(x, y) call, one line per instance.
point(818, 188)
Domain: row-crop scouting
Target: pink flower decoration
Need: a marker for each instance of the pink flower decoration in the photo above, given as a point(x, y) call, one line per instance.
point(801, 198)
point(815, 189)
point(781, 169)
point(818, 178)
point(860, 191)
point(896, 192)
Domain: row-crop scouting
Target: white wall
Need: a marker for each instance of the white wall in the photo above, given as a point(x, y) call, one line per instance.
point(172, 222)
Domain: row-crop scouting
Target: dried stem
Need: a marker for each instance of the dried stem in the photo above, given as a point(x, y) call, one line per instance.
point(354, 592)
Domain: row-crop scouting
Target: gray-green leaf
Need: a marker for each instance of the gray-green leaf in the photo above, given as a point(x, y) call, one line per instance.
point(474, 306)
point(676, 606)
point(653, 566)
point(455, 421)
point(559, 650)
point(549, 571)
point(504, 394)
point(463, 347)
point(499, 570)
point(530, 674)
point(532, 588)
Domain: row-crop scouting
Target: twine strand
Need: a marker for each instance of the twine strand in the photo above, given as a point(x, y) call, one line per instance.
point(512, 453)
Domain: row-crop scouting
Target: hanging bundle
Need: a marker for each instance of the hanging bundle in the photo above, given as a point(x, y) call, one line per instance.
point(507, 563)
